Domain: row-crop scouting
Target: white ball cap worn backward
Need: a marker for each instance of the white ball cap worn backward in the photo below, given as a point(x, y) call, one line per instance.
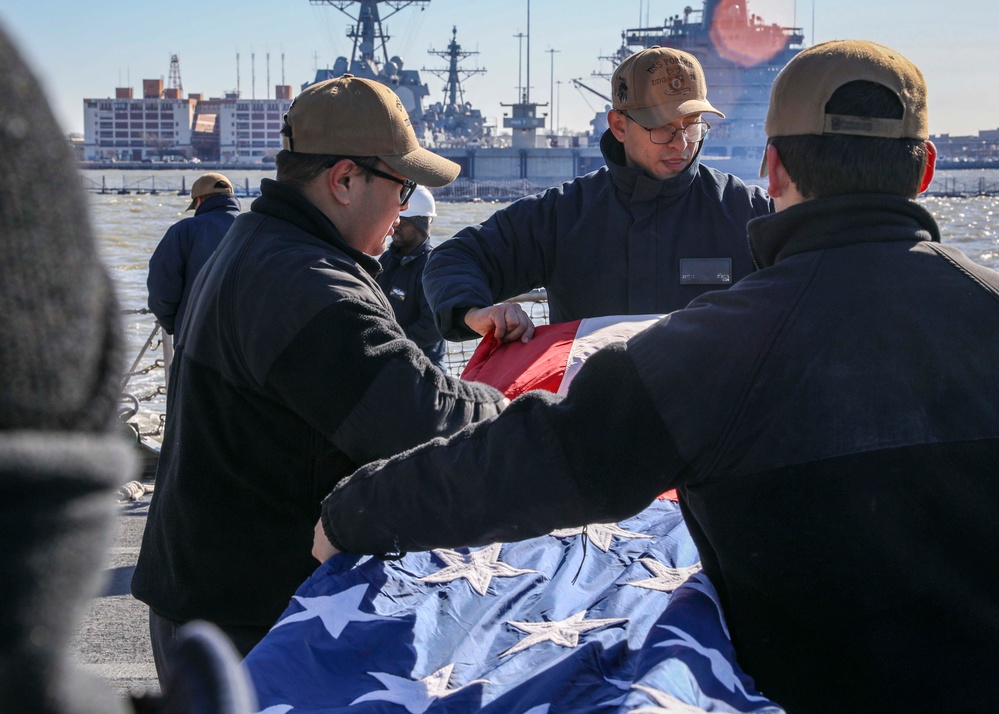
point(421, 203)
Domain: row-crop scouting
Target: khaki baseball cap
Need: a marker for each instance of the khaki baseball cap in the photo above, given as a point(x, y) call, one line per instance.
point(207, 185)
point(351, 116)
point(799, 94)
point(658, 85)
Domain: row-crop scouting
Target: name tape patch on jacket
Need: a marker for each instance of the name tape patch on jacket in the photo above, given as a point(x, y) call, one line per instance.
point(705, 271)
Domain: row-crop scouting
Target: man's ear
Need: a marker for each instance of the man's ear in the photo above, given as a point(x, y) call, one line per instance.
point(931, 164)
point(776, 173)
point(616, 121)
point(339, 180)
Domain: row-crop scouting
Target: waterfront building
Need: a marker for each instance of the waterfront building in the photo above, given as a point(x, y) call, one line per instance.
point(163, 126)
point(137, 129)
point(249, 131)
point(961, 151)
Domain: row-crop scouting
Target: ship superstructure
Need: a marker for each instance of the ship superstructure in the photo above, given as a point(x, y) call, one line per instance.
point(369, 58)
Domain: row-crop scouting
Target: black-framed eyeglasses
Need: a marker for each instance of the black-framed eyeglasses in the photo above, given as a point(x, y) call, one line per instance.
point(692, 133)
point(407, 186)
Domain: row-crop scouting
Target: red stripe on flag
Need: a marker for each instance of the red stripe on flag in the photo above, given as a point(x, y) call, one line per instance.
point(518, 367)
point(515, 367)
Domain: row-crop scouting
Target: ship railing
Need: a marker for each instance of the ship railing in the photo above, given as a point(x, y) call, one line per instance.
point(465, 189)
point(144, 385)
point(131, 183)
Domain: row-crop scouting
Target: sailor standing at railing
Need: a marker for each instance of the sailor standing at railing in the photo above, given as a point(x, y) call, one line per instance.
point(646, 234)
point(186, 247)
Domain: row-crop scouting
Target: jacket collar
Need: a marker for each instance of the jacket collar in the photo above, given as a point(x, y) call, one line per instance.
point(635, 183)
point(280, 201)
point(218, 202)
point(839, 221)
point(422, 249)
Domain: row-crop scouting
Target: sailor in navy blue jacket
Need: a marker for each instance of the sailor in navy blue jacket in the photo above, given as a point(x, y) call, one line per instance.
point(182, 252)
point(645, 234)
point(402, 275)
point(614, 242)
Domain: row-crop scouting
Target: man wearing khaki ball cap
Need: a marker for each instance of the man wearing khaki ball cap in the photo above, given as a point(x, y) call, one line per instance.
point(291, 370)
point(645, 234)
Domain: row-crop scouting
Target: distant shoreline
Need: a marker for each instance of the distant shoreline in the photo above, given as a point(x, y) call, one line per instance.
point(942, 165)
point(172, 166)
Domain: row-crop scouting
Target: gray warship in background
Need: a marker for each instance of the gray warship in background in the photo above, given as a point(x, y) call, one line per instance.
point(740, 53)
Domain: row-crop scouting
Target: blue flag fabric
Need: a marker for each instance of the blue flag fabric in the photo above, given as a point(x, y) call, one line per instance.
point(610, 618)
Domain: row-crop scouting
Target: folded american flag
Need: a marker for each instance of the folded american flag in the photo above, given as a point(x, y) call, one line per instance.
point(610, 618)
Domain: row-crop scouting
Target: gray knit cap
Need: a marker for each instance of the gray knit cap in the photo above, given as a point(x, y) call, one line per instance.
point(59, 321)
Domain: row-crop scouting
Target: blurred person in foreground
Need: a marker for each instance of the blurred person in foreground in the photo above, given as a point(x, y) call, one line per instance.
point(643, 235)
point(402, 275)
point(831, 423)
point(291, 370)
point(61, 451)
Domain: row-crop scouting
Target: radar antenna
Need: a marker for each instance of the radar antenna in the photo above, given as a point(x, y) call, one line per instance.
point(452, 75)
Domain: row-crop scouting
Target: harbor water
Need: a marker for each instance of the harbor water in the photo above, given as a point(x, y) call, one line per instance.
point(129, 226)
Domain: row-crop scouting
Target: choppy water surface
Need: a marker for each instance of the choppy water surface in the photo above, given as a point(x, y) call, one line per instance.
point(129, 226)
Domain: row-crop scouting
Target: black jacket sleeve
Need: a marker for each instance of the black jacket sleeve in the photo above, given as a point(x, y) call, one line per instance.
point(508, 255)
point(599, 455)
point(351, 373)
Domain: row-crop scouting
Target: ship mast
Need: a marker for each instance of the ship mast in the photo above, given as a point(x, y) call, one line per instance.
point(453, 54)
point(370, 57)
point(368, 35)
point(524, 120)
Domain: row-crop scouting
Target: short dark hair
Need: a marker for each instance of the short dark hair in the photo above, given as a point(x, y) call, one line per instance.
point(297, 170)
point(836, 164)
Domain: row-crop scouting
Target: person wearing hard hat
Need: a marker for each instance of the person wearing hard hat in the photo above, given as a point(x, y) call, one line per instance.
point(402, 275)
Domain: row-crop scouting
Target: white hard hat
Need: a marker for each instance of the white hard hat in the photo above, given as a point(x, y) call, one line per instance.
point(421, 203)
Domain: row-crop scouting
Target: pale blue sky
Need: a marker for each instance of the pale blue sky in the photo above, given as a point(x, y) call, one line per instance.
point(87, 49)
